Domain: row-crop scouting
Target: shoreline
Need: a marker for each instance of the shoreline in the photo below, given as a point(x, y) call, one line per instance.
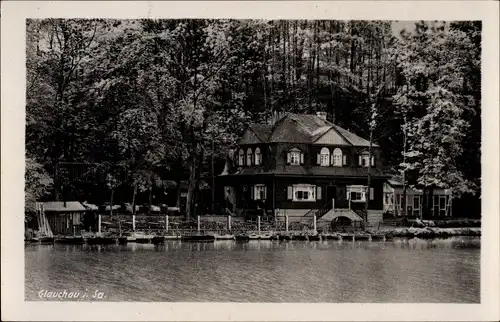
point(382, 235)
point(433, 232)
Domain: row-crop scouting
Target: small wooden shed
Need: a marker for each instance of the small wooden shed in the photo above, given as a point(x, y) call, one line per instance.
point(64, 217)
point(428, 204)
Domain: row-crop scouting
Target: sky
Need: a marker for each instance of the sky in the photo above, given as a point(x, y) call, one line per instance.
point(397, 26)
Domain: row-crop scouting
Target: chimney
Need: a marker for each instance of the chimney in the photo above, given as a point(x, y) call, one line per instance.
point(321, 115)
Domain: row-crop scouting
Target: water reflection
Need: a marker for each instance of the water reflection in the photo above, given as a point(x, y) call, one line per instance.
point(402, 270)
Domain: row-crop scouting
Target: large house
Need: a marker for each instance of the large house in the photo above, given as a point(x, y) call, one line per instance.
point(301, 166)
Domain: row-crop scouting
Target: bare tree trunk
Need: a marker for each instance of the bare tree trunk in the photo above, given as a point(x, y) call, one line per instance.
point(405, 138)
point(178, 194)
point(133, 199)
point(368, 184)
point(191, 183)
point(150, 197)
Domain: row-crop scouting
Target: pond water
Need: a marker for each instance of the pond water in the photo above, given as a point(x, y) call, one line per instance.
point(416, 271)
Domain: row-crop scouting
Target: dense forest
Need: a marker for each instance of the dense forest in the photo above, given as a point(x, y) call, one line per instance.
point(127, 104)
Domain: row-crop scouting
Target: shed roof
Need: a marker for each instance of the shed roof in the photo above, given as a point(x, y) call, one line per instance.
point(59, 206)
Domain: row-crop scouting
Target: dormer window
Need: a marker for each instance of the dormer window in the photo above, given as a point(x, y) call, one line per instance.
point(295, 157)
point(241, 157)
point(324, 157)
point(258, 157)
point(249, 156)
point(364, 160)
point(337, 157)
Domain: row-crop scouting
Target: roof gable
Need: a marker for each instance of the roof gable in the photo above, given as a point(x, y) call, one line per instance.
point(255, 134)
point(262, 131)
point(353, 138)
point(249, 137)
point(331, 137)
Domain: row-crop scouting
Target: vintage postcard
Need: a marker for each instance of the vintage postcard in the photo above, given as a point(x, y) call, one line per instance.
point(250, 161)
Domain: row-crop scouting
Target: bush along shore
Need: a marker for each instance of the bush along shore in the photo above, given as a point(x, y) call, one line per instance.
point(429, 232)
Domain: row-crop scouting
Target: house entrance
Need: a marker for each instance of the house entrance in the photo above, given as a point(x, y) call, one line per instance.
point(330, 194)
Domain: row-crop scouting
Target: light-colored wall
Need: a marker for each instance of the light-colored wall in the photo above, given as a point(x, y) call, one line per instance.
point(293, 214)
point(375, 216)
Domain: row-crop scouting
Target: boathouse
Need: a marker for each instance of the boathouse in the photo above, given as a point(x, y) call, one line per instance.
point(300, 166)
point(64, 217)
point(420, 203)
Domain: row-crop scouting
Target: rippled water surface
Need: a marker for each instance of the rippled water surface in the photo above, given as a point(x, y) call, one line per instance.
point(262, 271)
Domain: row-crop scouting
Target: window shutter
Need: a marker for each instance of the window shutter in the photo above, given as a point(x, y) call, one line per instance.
point(265, 193)
point(301, 158)
point(344, 159)
point(372, 194)
point(373, 161)
point(290, 192)
point(360, 160)
point(252, 193)
point(318, 193)
point(288, 157)
point(318, 159)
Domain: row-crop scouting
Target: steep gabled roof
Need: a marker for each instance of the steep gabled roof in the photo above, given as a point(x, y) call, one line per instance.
point(301, 128)
point(256, 133)
point(262, 131)
point(289, 130)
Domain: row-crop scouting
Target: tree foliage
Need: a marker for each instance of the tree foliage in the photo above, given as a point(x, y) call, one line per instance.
point(159, 98)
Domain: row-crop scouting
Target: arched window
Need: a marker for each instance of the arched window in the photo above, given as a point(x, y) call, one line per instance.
point(337, 157)
point(324, 157)
point(295, 157)
point(241, 157)
point(249, 156)
point(258, 157)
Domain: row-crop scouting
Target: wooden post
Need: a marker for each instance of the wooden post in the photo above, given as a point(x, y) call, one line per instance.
point(229, 223)
point(166, 224)
point(199, 227)
point(286, 223)
point(258, 224)
point(213, 178)
point(333, 204)
point(99, 224)
point(133, 222)
point(314, 223)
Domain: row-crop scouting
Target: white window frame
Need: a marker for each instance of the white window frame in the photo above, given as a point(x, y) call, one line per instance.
point(258, 156)
point(249, 157)
point(445, 205)
point(324, 157)
point(259, 192)
point(365, 160)
point(337, 157)
point(361, 190)
point(294, 157)
point(299, 189)
point(241, 157)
